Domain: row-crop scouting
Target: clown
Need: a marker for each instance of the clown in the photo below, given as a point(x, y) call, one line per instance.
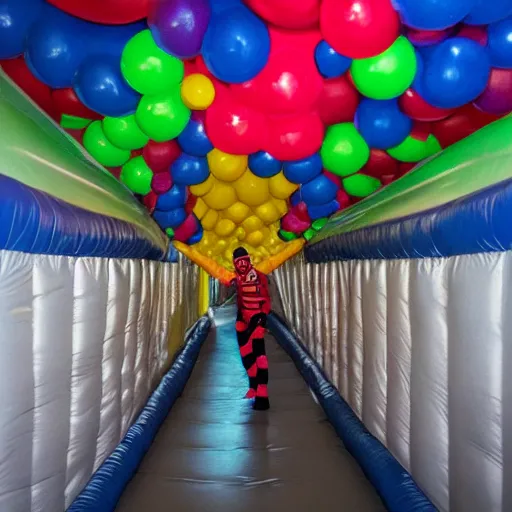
point(253, 302)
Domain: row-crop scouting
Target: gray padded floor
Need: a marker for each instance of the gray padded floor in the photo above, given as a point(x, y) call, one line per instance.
point(214, 453)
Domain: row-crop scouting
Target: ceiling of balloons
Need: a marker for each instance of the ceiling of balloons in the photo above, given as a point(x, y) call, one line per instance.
point(252, 122)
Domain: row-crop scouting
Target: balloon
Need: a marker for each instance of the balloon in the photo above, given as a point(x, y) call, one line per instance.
point(137, 176)
point(380, 164)
point(382, 124)
point(455, 73)
point(234, 128)
point(329, 62)
point(433, 14)
point(226, 167)
point(413, 105)
point(318, 191)
point(497, 97)
point(147, 68)
point(338, 101)
point(179, 26)
point(252, 190)
point(323, 210)
point(387, 75)
point(280, 187)
point(193, 139)
point(101, 87)
point(287, 13)
point(264, 165)
point(304, 170)
point(67, 101)
point(16, 18)
point(236, 45)
point(197, 92)
point(161, 183)
point(220, 196)
point(427, 37)
point(500, 43)
point(108, 12)
point(290, 82)
point(344, 151)
point(162, 116)
point(124, 132)
point(174, 198)
point(98, 146)
point(477, 34)
point(360, 185)
point(359, 28)
point(414, 150)
point(295, 136)
point(189, 170)
point(170, 219)
point(160, 155)
point(485, 12)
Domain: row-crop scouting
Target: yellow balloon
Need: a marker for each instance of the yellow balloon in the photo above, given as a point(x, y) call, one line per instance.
point(240, 233)
point(267, 212)
point(200, 209)
point(237, 212)
point(252, 223)
point(280, 187)
point(225, 227)
point(221, 196)
point(226, 167)
point(282, 206)
point(197, 92)
point(203, 188)
point(255, 238)
point(208, 241)
point(251, 189)
point(210, 219)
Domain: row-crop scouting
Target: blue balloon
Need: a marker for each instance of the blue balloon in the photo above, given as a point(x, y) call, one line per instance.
point(382, 124)
point(189, 170)
point(319, 191)
point(16, 18)
point(236, 45)
point(264, 165)
point(323, 210)
point(329, 62)
point(170, 219)
point(197, 236)
point(194, 140)
point(303, 171)
point(485, 12)
point(456, 73)
point(175, 197)
point(100, 86)
point(500, 44)
point(432, 14)
point(296, 198)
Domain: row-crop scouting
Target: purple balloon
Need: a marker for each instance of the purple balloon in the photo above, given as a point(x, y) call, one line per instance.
point(179, 26)
point(497, 97)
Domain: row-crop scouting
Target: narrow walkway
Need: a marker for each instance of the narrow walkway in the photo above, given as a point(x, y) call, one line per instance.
point(214, 453)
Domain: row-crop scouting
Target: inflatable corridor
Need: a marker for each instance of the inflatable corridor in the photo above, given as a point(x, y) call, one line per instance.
point(360, 151)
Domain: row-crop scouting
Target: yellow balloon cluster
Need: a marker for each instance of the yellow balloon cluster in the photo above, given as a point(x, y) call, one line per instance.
point(237, 208)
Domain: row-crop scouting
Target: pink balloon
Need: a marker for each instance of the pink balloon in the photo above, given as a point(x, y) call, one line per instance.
point(497, 97)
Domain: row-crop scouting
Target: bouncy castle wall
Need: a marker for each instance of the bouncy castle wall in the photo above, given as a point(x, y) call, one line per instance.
point(84, 342)
point(420, 349)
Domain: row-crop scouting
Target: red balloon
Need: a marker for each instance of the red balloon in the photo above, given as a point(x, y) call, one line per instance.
point(421, 131)
point(294, 137)
point(296, 14)
point(338, 102)
point(161, 182)
point(149, 201)
point(405, 167)
point(464, 122)
point(160, 155)
point(497, 97)
point(186, 229)
point(343, 199)
point(380, 164)
point(427, 37)
point(68, 103)
point(78, 136)
point(233, 127)
point(414, 106)
point(477, 34)
point(290, 81)
point(40, 93)
point(108, 12)
point(359, 28)
point(333, 177)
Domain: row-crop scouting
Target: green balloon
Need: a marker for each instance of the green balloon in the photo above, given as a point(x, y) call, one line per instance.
point(137, 176)
point(147, 68)
point(124, 132)
point(162, 117)
point(387, 75)
point(361, 185)
point(344, 151)
point(413, 150)
point(100, 148)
